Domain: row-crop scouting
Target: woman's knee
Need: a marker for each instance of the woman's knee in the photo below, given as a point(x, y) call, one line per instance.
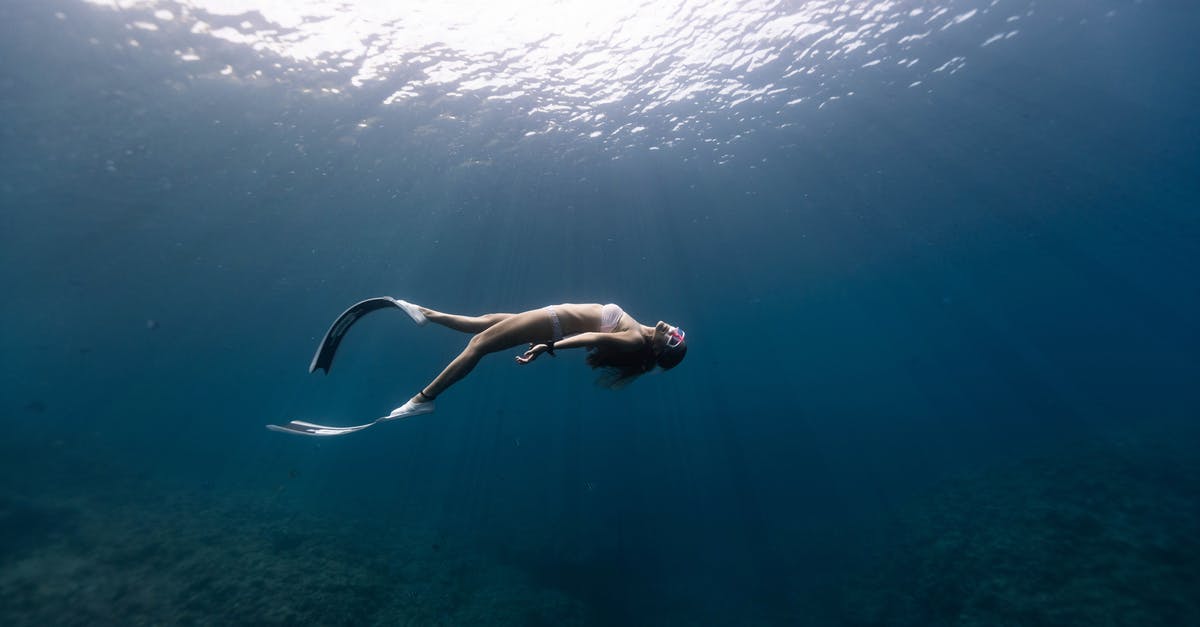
point(491, 340)
point(477, 346)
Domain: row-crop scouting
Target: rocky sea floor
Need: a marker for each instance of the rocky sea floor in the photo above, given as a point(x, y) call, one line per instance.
point(1104, 534)
point(106, 559)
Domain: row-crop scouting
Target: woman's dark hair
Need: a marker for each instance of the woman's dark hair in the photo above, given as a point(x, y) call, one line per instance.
point(622, 367)
point(671, 357)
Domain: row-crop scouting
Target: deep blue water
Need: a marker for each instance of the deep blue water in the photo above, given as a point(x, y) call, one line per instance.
point(939, 288)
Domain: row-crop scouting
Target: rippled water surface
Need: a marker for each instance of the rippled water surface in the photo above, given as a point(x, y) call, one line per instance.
point(624, 73)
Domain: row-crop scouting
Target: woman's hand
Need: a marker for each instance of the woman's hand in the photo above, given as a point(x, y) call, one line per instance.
point(532, 353)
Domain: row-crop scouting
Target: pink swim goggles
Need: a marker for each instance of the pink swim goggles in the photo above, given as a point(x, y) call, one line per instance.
point(675, 337)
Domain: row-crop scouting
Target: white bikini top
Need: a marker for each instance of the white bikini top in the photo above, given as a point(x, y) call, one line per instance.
point(610, 315)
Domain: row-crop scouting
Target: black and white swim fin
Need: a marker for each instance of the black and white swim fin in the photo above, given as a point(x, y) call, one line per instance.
point(300, 427)
point(323, 360)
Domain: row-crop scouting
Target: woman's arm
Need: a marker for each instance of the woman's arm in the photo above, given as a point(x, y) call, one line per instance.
point(625, 340)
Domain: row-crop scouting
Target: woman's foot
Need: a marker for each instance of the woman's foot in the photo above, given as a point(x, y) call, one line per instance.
point(413, 312)
point(409, 409)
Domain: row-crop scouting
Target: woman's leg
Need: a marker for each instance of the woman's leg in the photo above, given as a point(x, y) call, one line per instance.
point(513, 330)
point(466, 324)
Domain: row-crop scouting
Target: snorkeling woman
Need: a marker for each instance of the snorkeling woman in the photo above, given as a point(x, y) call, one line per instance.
point(616, 342)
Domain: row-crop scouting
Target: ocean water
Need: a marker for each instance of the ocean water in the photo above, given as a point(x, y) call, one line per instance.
point(936, 260)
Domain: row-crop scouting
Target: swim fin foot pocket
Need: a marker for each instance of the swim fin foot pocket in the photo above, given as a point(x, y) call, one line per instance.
point(413, 312)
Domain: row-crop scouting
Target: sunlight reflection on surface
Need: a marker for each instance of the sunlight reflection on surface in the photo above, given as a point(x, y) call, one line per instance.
point(580, 65)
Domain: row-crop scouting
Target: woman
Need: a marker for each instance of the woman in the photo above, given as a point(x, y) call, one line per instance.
point(616, 342)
